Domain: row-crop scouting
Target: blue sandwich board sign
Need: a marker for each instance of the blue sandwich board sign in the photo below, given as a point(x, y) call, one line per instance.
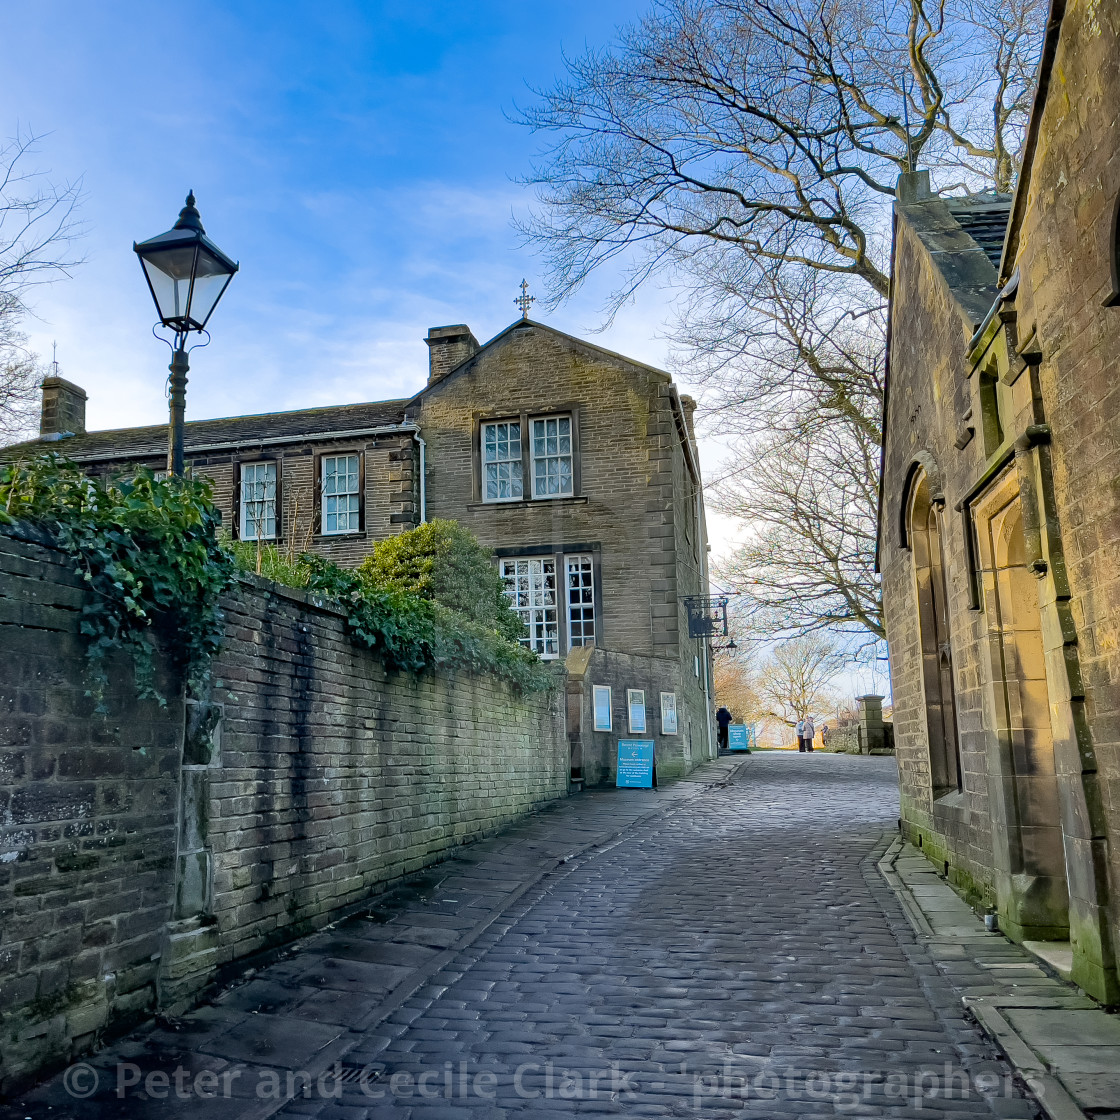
point(738, 737)
point(635, 764)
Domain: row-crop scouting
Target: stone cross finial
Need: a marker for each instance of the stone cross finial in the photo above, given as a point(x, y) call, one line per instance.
point(525, 301)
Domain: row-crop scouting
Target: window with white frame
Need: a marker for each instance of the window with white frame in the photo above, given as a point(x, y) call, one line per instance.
point(531, 586)
point(258, 501)
point(341, 494)
point(580, 590)
point(552, 457)
point(501, 461)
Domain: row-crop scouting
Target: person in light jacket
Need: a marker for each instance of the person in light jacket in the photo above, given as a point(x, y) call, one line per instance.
point(809, 731)
point(800, 729)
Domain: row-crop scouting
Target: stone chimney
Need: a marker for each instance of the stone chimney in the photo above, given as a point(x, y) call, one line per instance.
point(913, 186)
point(448, 347)
point(64, 408)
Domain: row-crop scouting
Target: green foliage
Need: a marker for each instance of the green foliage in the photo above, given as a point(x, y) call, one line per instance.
point(267, 560)
point(414, 634)
point(148, 549)
point(151, 553)
point(443, 562)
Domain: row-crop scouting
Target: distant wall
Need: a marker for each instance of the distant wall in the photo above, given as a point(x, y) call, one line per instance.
point(141, 852)
point(596, 751)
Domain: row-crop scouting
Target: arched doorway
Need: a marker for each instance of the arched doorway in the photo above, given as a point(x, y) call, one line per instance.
point(1026, 810)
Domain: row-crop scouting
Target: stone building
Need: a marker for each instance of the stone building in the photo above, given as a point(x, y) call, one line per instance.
point(577, 466)
point(1000, 516)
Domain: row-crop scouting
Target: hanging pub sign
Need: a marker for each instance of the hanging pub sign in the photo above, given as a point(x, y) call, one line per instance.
point(635, 764)
point(707, 615)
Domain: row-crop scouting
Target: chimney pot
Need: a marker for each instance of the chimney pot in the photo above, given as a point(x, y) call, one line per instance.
point(64, 408)
point(448, 347)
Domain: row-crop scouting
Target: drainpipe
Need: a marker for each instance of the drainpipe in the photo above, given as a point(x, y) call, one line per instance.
point(423, 475)
point(702, 541)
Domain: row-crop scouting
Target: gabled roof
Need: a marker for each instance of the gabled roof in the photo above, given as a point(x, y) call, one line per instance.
point(964, 238)
point(229, 432)
point(522, 324)
point(984, 218)
point(233, 432)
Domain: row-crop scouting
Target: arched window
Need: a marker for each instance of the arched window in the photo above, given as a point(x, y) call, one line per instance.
point(937, 650)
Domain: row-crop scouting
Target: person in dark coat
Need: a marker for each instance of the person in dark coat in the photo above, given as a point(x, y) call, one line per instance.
point(723, 718)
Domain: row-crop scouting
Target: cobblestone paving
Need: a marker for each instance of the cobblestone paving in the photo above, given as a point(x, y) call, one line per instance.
point(731, 950)
point(736, 956)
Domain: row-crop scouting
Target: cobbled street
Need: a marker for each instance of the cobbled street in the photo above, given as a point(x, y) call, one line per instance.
point(733, 952)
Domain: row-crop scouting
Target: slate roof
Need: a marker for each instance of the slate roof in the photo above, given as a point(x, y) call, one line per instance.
point(984, 218)
point(232, 431)
point(964, 237)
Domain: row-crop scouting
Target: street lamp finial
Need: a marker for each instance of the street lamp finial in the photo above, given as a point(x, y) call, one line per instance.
point(189, 217)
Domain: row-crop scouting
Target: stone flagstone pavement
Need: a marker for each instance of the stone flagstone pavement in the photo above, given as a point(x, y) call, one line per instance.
point(724, 947)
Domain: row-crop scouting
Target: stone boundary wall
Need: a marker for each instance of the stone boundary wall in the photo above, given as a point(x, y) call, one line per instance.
point(675, 754)
point(143, 852)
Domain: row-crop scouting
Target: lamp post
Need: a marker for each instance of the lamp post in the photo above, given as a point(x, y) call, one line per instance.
point(187, 274)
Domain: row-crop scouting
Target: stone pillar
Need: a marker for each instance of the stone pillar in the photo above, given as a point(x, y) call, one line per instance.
point(191, 937)
point(872, 736)
point(576, 663)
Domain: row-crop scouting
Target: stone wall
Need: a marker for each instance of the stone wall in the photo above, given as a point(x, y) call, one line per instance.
point(634, 509)
point(142, 852)
point(1011, 418)
point(675, 754)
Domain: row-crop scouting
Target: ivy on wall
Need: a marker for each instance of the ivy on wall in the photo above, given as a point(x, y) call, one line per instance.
point(152, 553)
point(149, 551)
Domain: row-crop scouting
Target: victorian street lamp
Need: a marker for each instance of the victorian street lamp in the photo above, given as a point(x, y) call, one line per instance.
point(187, 275)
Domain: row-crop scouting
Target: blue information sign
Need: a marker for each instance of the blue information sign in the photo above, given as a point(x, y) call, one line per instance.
point(635, 763)
point(738, 737)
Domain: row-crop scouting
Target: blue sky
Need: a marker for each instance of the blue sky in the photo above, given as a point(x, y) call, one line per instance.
point(356, 157)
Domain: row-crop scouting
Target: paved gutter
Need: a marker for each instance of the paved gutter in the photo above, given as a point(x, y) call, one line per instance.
point(1063, 1045)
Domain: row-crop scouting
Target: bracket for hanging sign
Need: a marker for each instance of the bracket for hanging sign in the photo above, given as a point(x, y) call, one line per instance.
point(707, 615)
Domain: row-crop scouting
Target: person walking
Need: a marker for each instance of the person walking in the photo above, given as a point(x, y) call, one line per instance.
point(809, 731)
point(800, 729)
point(723, 718)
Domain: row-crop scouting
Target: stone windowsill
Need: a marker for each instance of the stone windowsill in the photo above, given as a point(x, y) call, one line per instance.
point(531, 503)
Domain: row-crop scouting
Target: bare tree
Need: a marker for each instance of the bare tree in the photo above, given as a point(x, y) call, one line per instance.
point(749, 151)
point(20, 374)
point(795, 680)
point(733, 681)
point(38, 227)
point(774, 129)
point(802, 394)
point(809, 500)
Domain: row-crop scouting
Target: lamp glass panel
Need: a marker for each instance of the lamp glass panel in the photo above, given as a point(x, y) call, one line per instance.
point(209, 283)
point(169, 273)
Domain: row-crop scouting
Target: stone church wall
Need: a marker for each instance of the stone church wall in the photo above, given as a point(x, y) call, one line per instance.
point(143, 852)
point(1016, 432)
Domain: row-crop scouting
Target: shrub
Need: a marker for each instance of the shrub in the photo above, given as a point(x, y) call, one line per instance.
point(443, 562)
point(264, 559)
point(414, 634)
point(151, 553)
